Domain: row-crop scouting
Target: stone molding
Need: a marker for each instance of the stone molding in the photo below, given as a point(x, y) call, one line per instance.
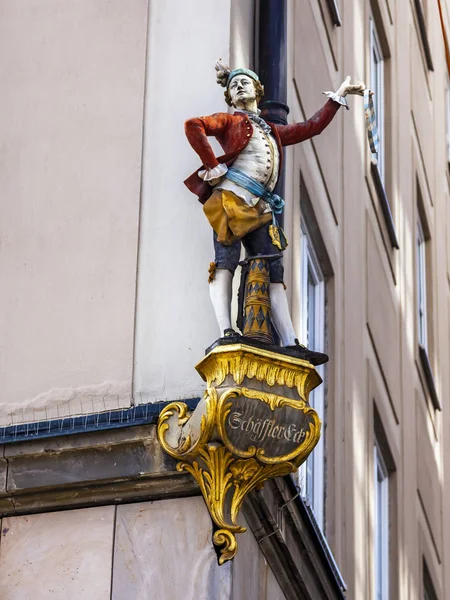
point(128, 465)
point(102, 467)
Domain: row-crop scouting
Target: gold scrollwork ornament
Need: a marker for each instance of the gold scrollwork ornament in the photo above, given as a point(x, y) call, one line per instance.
point(226, 474)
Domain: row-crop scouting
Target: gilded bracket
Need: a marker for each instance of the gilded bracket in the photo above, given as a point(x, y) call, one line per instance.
point(253, 423)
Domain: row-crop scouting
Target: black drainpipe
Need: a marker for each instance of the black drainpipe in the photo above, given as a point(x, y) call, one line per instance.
point(272, 67)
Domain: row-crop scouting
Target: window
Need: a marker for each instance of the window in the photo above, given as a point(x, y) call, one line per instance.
point(377, 86)
point(421, 287)
point(422, 276)
point(381, 527)
point(380, 73)
point(312, 335)
point(385, 547)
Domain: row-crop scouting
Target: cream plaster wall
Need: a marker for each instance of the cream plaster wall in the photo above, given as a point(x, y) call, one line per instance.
point(71, 106)
point(174, 318)
point(65, 555)
point(242, 33)
point(252, 578)
point(163, 550)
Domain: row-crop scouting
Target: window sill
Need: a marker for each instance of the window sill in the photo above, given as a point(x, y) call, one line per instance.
point(426, 366)
point(384, 202)
point(423, 34)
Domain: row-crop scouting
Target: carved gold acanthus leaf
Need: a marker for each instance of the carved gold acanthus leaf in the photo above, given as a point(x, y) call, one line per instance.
point(241, 361)
point(213, 475)
point(224, 482)
point(273, 400)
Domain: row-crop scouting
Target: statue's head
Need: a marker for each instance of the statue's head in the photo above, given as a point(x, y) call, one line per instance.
point(242, 86)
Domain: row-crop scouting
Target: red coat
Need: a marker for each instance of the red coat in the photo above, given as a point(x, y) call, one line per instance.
point(233, 132)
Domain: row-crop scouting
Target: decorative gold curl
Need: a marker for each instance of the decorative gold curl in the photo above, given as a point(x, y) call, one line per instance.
point(224, 537)
point(187, 449)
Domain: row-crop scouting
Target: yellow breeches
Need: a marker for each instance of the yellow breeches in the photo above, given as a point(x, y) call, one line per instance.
point(231, 218)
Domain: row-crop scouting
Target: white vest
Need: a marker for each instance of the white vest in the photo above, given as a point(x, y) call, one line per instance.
point(260, 160)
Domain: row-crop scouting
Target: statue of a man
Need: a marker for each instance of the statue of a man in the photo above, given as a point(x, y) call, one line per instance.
point(236, 189)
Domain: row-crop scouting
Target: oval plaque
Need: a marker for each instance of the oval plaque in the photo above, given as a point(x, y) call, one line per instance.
point(273, 429)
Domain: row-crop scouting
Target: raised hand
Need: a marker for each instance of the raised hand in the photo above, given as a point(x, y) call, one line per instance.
point(348, 88)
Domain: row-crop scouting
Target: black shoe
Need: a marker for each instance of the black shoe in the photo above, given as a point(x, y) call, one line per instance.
point(315, 358)
point(231, 335)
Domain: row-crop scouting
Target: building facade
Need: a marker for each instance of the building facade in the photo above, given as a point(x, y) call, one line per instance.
point(105, 310)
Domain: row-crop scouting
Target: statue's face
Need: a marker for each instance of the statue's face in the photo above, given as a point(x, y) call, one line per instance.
point(241, 90)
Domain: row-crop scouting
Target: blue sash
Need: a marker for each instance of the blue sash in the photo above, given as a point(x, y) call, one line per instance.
point(275, 202)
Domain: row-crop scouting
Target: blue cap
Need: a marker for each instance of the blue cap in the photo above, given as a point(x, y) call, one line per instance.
point(248, 72)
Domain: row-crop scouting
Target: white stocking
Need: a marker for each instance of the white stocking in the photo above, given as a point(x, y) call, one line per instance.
point(280, 314)
point(220, 291)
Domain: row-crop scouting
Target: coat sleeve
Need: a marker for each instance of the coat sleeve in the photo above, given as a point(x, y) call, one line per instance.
point(299, 132)
point(197, 131)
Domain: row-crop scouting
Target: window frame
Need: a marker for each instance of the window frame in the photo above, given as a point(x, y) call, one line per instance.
point(421, 273)
point(377, 72)
point(381, 528)
point(423, 301)
point(311, 474)
point(379, 76)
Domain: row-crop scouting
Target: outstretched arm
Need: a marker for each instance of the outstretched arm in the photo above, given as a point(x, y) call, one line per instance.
point(197, 132)
point(299, 132)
